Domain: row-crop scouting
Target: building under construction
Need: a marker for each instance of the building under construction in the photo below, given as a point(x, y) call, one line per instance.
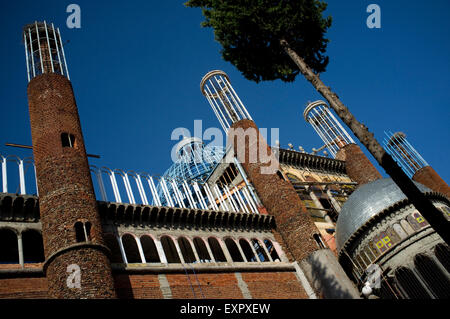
point(246, 221)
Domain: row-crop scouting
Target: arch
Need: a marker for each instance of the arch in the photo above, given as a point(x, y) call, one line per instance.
point(233, 250)
point(409, 283)
point(442, 253)
point(79, 232)
point(259, 250)
point(201, 249)
point(216, 250)
point(149, 249)
point(67, 140)
point(433, 276)
point(271, 249)
point(9, 248)
point(247, 249)
point(186, 250)
point(170, 250)
point(131, 249)
point(113, 245)
point(33, 246)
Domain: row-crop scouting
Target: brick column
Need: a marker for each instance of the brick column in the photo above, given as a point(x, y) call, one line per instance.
point(357, 165)
point(428, 177)
point(278, 196)
point(66, 193)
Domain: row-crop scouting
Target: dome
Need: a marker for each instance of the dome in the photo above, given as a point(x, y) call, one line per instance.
point(366, 202)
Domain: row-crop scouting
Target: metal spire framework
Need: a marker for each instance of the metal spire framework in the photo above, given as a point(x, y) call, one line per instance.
point(224, 101)
point(403, 153)
point(327, 126)
point(44, 51)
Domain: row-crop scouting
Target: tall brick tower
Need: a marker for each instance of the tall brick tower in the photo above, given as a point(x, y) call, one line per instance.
point(294, 224)
point(413, 163)
point(76, 260)
point(339, 143)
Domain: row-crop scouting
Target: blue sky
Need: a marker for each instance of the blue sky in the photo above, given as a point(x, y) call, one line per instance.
point(136, 67)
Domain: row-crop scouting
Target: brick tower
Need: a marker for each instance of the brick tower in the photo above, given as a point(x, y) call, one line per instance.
point(294, 224)
point(339, 143)
point(413, 164)
point(76, 260)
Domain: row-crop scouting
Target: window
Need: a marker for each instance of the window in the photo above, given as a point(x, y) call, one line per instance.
point(409, 283)
point(433, 276)
point(271, 249)
point(233, 250)
point(131, 249)
point(149, 249)
point(67, 140)
point(186, 250)
point(216, 249)
point(82, 231)
point(170, 250)
point(33, 247)
point(259, 250)
point(9, 251)
point(201, 249)
point(247, 249)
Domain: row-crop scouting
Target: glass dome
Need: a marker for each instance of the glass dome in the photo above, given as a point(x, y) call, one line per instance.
point(195, 161)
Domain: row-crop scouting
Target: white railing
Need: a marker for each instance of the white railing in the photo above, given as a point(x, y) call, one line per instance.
point(114, 185)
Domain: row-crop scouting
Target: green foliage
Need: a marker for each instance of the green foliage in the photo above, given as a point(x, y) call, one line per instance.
point(250, 32)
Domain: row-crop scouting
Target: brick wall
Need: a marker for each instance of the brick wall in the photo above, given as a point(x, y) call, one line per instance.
point(263, 285)
point(357, 165)
point(66, 193)
point(24, 288)
point(428, 177)
point(278, 196)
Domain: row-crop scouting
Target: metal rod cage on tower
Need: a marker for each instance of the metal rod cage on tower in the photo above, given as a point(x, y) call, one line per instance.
point(327, 126)
point(224, 101)
point(44, 50)
point(403, 153)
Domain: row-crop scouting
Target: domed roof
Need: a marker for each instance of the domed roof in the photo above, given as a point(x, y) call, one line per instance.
point(366, 202)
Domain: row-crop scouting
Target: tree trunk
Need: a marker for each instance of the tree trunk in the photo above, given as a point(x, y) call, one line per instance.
point(435, 218)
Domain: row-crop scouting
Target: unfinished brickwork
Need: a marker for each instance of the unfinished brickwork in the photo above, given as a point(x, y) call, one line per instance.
point(66, 194)
point(428, 177)
point(358, 166)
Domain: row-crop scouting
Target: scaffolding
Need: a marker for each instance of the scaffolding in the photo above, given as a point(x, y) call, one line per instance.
point(403, 153)
point(327, 126)
point(224, 101)
point(44, 51)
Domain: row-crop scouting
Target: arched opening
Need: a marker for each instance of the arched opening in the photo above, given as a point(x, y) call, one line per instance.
point(112, 243)
point(409, 283)
point(9, 249)
point(271, 249)
point(170, 250)
point(149, 249)
point(131, 249)
point(201, 249)
point(79, 232)
point(186, 250)
point(247, 249)
point(233, 250)
point(67, 140)
point(216, 250)
point(33, 246)
point(433, 276)
point(259, 250)
point(442, 253)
